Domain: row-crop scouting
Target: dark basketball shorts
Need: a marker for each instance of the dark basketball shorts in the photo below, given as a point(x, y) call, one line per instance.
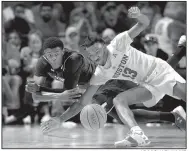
point(108, 91)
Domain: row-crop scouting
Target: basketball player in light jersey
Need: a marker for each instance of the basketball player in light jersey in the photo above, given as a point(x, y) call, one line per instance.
point(119, 60)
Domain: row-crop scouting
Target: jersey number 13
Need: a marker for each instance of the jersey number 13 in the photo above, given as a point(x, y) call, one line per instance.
point(129, 73)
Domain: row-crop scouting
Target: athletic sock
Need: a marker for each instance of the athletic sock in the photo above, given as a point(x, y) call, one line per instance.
point(167, 116)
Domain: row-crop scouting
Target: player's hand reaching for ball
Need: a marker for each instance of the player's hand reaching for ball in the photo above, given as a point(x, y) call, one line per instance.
point(134, 12)
point(32, 87)
point(50, 125)
point(71, 94)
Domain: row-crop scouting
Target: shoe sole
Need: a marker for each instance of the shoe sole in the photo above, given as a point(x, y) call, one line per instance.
point(132, 144)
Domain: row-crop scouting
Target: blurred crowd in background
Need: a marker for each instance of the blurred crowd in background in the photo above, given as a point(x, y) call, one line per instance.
point(25, 25)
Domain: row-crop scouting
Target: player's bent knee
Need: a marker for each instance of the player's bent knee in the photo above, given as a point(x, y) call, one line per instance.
point(118, 100)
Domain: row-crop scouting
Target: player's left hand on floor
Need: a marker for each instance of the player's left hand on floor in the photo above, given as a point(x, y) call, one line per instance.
point(50, 125)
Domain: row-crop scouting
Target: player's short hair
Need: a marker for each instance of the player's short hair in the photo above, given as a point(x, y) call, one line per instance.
point(52, 42)
point(92, 39)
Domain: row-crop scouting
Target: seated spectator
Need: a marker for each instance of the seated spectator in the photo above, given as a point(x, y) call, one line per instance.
point(19, 23)
point(35, 43)
point(13, 46)
point(75, 16)
point(108, 35)
point(72, 38)
point(151, 47)
point(87, 11)
point(46, 23)
point(114, 17)
point(11, 85)
point(153, 13)
point(21, 8)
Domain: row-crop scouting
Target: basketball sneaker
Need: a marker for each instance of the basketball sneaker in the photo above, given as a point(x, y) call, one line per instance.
point(135, 138)
point(180, 117)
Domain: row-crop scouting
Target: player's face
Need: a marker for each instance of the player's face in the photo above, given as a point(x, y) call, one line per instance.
point(96, 53)
point(54, 56)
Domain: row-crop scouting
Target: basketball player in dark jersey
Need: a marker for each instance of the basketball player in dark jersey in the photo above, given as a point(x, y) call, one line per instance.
point(70, 67)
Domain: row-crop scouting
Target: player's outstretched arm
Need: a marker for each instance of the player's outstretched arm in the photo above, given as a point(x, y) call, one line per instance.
point(69, 96)
point(73, 110)
point(76, 107)
point(143, 22)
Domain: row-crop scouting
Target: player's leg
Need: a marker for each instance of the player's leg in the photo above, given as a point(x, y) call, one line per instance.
point(132, 96)
point(177, 116)
point(144, 116)
point(107, 92)
point(122, 101)
point(179, 90)
point(181, 51)
point(112, 88)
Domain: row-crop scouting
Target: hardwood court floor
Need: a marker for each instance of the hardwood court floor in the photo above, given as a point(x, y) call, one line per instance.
point(165, 136)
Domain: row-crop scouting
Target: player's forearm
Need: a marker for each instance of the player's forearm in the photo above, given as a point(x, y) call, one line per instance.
point(46, 89)
point(143, 19)
point(76, 107)
point(73, 110)
point(45, 96)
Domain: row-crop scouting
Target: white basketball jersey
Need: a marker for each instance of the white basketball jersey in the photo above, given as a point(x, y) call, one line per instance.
point(127, 63)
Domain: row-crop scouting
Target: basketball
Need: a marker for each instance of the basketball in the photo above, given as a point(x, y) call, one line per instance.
point(93, 117)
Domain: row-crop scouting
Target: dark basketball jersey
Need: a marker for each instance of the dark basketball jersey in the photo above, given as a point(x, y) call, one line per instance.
point(75, 69)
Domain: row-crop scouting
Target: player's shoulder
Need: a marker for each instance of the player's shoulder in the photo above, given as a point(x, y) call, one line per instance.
point(42, 61)
point(121, 38)
point(42, 64)
point(72, 58)
point(98, 77)
point(72, 55)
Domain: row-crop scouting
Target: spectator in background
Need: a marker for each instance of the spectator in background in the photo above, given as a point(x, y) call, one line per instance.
point(11, 85)
point(76, 16)
point(151, 47)
point(19, 23)
point(46, 23)
point(23, 9)
point(153, 13)
point(84, 30)
point(35, 43)
point(72, 39)
point(108, 35)
point(13, 46)
point(114, 17)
